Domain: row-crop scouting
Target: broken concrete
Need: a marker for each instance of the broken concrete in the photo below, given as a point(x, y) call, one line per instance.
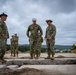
point(12, 66)
point(57, 61)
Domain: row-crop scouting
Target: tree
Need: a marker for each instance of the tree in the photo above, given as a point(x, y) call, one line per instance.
point(74, 46)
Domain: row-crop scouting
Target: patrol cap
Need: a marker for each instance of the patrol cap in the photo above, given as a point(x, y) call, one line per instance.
point(3, 14)
point(49, 21)
point(15, 34)
point(34, 19)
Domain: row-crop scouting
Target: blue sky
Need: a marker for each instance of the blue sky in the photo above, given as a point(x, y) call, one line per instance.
point(21, 12)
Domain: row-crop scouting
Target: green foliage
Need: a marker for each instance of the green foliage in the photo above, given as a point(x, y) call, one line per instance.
point(24, 48)
point(8, 47)
point(74, 46)
point(43, 50)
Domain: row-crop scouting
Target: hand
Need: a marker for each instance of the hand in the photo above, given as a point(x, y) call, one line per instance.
point(50, 38)
point(2, 35)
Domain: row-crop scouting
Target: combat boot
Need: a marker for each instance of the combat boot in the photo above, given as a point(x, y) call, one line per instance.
point(2, 59)
point(52, 58)
point(37, 56)
point(14, 53)
point(31, 56)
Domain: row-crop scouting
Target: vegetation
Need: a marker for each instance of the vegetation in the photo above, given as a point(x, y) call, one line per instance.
point(73, 50)
point(58, 48)
point(74, 46)
point(25, 48)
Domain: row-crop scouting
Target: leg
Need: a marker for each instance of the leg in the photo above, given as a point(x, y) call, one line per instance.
point(11, 49)
point(2, 48)
point(38, 50)
point(32, 51)
point(52, 48)
point(17, 50)
point(48, 48)
point(14, 50)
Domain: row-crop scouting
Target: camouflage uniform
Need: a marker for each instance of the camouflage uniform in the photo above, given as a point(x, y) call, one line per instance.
point(50, 32)
point(33, 36)
point(15, 45)
point(4, 35)
point(39, 44)
point(12, 45)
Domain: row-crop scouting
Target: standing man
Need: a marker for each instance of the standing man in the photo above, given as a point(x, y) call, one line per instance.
point(50, 38)
point(15, 40)
point(33, 29)
point(12, 45)
point(4, 35)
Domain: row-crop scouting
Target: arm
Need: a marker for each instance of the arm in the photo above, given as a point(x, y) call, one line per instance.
point(41, 30)
point(41, 39)
point(54, 32)
point(5, 31)
point(45, 35)
point(27, 33)
point(0, 27)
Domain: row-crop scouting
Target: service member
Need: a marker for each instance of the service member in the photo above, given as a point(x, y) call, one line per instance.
point(32, 33)
point(4, 35)
point(50, 38)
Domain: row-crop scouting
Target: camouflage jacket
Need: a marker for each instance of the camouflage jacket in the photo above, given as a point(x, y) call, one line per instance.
point(11, 41)
point(40, 40)
point(15, 39)
point(34, 30)
point(3, 30)
point(50, 32)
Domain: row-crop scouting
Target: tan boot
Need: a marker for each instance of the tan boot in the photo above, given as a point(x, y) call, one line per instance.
point(52, 58)
point(37, 56)
point(31, 56)
point(3, 60)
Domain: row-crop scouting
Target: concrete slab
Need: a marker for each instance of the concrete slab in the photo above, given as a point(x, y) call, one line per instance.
point(43, 55)
point(3, 66)
point(12, 66)
point(57, 61)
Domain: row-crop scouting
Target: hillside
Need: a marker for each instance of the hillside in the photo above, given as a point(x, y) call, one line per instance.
point(56, 46)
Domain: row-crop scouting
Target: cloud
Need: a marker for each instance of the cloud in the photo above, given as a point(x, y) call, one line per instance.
point(61, 6)
point(21, 12)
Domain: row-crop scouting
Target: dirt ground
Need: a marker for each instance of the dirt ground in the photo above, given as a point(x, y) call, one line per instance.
point(25, 71)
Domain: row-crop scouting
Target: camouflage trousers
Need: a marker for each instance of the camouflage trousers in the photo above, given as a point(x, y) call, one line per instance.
point(50, 46)
point(3, 47)
point(14, 49)
point(39, 48)
point(34, 47)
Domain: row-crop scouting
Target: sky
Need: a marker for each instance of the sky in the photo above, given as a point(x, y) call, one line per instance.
point(21, 12)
